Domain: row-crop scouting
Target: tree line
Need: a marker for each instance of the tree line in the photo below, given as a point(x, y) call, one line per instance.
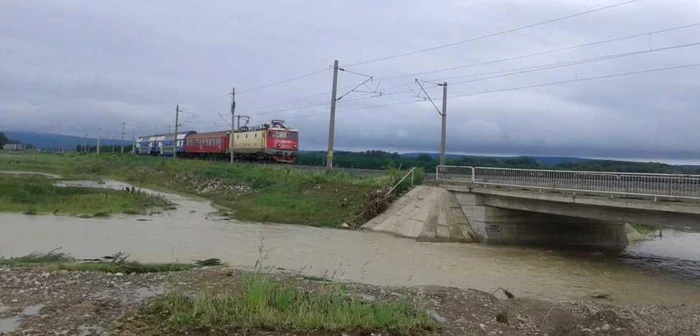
point(376, 159)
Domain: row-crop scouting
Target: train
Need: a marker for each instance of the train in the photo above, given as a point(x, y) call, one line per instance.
point(270, 142)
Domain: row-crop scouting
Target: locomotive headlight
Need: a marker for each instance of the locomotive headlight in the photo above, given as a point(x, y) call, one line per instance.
point(295, 146)
point(278, 145)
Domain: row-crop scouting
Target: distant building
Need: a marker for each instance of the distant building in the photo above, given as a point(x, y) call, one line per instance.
point(14, 147)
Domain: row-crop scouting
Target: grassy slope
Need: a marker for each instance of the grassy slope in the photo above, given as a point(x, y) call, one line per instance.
point(268, 194)
point(38, 195)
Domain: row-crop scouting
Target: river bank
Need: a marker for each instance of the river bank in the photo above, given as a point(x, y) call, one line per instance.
point(635, 292)
point(253, 192)
point(194, 230)
point(34, 301)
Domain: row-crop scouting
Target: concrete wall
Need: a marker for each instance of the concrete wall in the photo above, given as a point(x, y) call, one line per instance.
point(496, 225)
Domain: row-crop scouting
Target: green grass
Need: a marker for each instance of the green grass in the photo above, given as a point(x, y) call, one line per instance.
point(261, 302)
point(120, 264)
point(34, 195)
point(272, 193)
point(645, 230)
point(125, 268)
point(32, 259)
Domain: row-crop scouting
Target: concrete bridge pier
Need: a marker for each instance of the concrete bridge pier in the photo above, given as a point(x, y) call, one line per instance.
point(494, 225)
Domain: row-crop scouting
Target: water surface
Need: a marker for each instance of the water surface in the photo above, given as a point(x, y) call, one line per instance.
point(659, 271)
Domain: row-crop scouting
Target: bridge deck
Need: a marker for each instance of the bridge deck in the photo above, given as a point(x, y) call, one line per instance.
point(643, 203)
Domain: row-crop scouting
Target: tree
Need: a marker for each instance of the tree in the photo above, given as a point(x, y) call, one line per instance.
point(3, 139)
point(424, 157)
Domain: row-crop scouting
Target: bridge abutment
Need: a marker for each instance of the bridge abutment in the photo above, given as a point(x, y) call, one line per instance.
point(495, 225)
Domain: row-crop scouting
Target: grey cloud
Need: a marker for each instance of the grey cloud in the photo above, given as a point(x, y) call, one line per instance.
point(75, 66)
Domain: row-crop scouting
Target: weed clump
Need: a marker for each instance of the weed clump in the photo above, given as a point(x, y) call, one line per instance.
point(52, 256)
point(262, 302)
point(120, 263)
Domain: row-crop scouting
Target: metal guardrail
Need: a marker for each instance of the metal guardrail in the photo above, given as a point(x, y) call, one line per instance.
point(611, 183)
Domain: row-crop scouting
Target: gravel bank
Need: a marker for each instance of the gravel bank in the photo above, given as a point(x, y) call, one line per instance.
point(38, 301)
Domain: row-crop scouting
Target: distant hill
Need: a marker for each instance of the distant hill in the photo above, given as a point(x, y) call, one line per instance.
point(433, 155)
point(57, 141)
point(543, 160)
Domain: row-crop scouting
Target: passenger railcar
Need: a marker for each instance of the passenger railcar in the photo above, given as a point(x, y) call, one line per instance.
point(169, 144)
point(211, 144)
point(161, 144)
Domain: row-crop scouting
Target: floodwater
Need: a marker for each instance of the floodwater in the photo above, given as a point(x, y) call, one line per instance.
point(9, 324)
point(663, 271)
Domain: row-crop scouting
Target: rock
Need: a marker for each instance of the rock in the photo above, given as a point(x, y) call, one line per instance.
point(122, 274)
point(344, 225)
point(481, 325)
point(368, 298)
point(600, 296)
point(605, 327)
point(437, 316)
point(226, 271)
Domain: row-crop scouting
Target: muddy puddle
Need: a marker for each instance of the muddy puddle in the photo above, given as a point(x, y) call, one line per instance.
point(192, 232)
point(9, 324)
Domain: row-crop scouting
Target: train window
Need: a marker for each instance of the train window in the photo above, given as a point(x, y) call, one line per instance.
point(293, 135)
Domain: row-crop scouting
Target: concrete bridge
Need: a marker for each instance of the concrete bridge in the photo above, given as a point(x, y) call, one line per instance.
point(543, 207)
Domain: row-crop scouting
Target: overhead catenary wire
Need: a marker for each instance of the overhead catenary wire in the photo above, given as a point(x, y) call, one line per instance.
point(583, 79)
point(285, 81)
point(459, 67)
point(546, 52)
point(502, 32)
point(503, 74)
point(630, 73)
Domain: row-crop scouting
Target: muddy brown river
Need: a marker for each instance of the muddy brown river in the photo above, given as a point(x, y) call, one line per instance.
point(665, 270)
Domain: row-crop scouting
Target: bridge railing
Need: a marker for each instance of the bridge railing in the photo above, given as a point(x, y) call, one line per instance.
point(639, 184)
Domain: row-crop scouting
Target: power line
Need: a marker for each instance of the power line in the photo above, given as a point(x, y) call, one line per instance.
point(519, 71)
point(577, 62)
point(446, 45)
point(328, 93)
point(685, 66)
point(519, 57)
point(503, 32)
point(283, 81)
point(551, 51)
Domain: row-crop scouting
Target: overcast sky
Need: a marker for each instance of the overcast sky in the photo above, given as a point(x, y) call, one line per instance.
point(76, 66)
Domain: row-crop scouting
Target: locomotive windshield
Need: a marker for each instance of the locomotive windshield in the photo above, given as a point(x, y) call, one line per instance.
point(278, 134)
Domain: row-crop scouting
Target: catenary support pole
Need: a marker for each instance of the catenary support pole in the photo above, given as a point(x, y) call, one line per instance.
point(122, 143)
point(443, 139)
point(177, 122)
point(331, 127)
point(233, 125)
